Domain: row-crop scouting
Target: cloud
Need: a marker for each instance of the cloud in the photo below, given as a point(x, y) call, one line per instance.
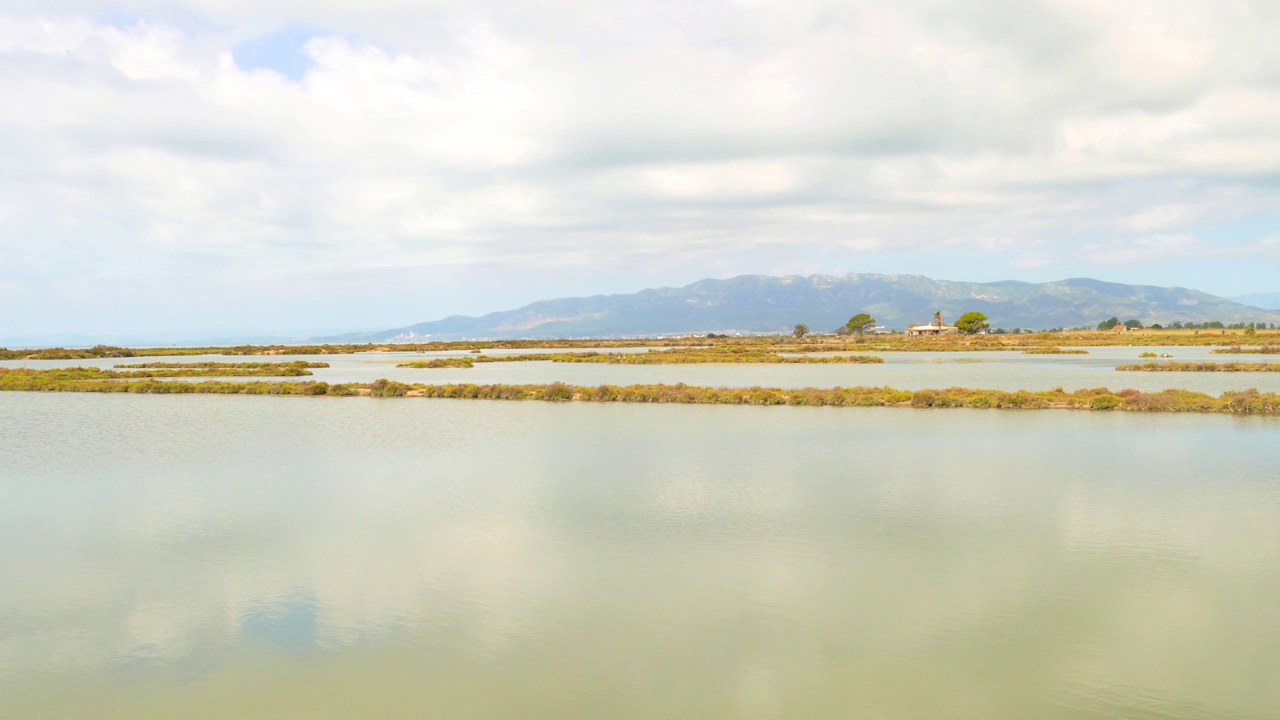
point(1146, 250)
point(664, 141)
point(1161, 248)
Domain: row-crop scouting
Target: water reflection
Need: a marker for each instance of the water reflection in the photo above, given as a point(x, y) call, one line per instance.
point(304, 558)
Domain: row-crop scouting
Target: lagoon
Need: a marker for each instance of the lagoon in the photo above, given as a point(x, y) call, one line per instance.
point(223, 556)
point(991, 370)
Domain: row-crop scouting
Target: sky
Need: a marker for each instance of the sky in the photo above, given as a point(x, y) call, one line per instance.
point(332, 164)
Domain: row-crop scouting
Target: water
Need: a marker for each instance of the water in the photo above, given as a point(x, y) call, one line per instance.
point(215, 557)
point(907, 371)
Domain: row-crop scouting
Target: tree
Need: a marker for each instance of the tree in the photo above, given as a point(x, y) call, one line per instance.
point(801, 330)
point(859, 323)
point(1133, 324)
point(971, 322)
point(1108, 324)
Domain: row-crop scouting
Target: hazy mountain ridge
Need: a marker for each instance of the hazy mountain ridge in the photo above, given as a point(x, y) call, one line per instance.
point(768, 304)
point(1270, 301)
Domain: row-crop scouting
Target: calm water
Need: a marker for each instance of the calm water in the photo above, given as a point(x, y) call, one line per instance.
point(909, 371)
point(242, 557)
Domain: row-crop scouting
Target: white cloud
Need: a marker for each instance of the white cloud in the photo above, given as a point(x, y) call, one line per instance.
point(717, 137)
point(1145, 250)
point(1160, 248)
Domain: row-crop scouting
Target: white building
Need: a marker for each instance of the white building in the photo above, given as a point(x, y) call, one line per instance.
point(933, 328)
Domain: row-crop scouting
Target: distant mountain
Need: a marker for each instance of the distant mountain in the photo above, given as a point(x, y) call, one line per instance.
point(175, 338)
point(764, 304)
point(1270, 301)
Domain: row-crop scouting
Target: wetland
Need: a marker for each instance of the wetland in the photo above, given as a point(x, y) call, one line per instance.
point(333, 534)
point(213, 556)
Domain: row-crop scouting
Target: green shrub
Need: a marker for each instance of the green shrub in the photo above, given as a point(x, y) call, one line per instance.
point(383, 387)
point(557, 391)
point(1104, 402)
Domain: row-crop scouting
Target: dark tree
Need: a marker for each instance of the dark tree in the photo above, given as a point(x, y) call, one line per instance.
point(858, 324)
point(971, 323)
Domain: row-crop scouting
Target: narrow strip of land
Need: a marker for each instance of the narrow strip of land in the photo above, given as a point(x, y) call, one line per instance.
point(1236, 340)
point(225, 366)
point(164, 370)
point(1245, 402)
point(1237, 350)
point(704, 356)
point(1200, 367)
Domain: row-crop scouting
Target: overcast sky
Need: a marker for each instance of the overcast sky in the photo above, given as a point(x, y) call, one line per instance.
point(235, 164)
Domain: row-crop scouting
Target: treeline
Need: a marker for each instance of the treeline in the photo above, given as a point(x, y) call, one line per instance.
point(1215, 325)
point(1135, 324)
point(1241, 402)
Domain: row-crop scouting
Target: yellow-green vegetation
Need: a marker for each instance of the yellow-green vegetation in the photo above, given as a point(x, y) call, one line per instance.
point(1237, 350)
point(705, 355)
point(732, 354)
point(1054, 351)
point(1241, 402)
point(69, 380)
point(99, 374)
point(1201, 367)
point(95, 352)
point(226, 366)
point(461, 362)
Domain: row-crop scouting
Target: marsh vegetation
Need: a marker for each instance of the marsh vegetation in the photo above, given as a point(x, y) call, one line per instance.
point(1200, 367)
point(1238, 350)
point(104, 381)
point(232, 368)
point(730, 354)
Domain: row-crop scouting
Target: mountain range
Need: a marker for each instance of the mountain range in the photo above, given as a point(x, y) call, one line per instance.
point(751, 304)
point(1271, 301)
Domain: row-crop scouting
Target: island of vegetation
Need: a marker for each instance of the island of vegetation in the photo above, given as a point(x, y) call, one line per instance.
point(1237, 350)
point(230, 368)
point(458, 362)
point(731, 354)
point(1200, 367)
